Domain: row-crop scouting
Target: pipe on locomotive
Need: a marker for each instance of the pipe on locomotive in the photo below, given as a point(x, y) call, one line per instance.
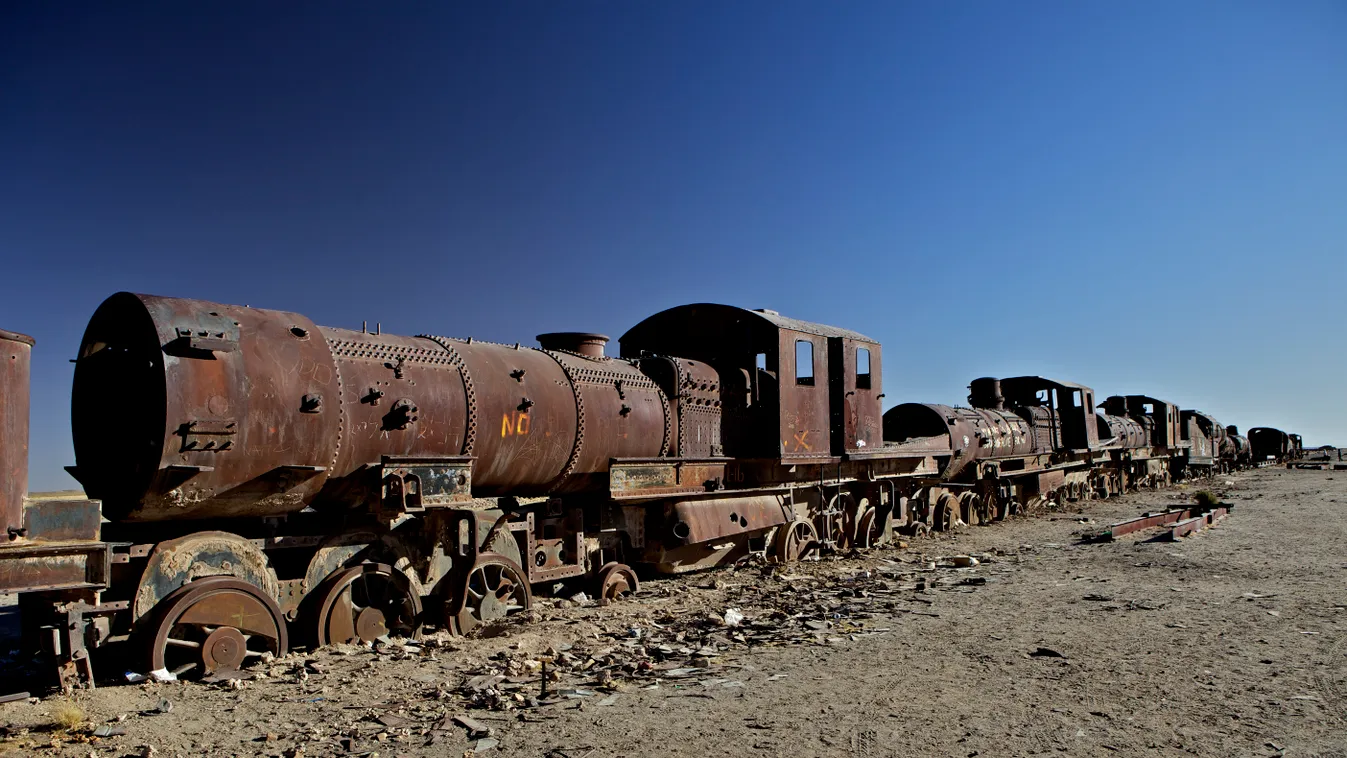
point(185, 409)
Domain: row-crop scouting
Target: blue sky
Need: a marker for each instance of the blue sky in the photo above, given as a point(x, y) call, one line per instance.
point(1144, 197)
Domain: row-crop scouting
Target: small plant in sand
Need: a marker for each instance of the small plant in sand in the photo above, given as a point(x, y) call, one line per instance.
point(1206, 499)
point(67, 715)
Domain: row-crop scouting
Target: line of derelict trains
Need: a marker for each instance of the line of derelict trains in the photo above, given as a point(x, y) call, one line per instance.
point(256, 479)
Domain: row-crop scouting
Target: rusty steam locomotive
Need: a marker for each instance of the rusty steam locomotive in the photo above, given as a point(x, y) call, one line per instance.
point(255, 480)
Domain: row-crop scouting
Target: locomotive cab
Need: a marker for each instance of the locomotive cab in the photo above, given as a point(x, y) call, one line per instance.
point(1063, 412)
point(792, 389)
point(1162, 420)
point(1205, 436)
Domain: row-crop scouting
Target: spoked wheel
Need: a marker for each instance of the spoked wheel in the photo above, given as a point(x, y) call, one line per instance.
point(869, 529)
point(495, 588)
point(795, 541)
point(840, 521)
point(213, 625)
point(615, 581)
point(989, 509)
point(946, 513)
point(971, 510)
point(366, 602)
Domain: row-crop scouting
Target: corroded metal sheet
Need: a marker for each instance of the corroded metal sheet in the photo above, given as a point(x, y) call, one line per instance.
point(42, 566)
point(654, 478)
point(15, 355)
point(697, 521)
point(60, 520)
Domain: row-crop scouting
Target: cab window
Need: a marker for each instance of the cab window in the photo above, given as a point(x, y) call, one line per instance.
point(862, 368)
point(804, 363)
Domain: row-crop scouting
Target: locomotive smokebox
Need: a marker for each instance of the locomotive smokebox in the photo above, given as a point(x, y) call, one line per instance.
point(581, 343)
point(190, 409)
point(15, 353)
point(986, 393)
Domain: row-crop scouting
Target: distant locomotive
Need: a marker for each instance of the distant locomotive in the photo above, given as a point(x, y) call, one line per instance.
point(265, 479)
point(1268, 444)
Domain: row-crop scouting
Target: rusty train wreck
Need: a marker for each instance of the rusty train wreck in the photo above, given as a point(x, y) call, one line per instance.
point(256, 481)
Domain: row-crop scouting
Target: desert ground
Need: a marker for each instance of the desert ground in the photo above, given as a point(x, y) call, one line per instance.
point(1231, 642)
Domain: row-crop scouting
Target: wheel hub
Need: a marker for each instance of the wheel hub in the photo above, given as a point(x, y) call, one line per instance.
point(223, 650)
point(493, 607)
point(370, 624)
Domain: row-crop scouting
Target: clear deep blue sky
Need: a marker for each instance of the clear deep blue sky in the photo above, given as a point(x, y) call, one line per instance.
point(1144, 197)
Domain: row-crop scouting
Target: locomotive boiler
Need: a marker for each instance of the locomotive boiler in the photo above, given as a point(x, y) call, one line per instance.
point(192, 410)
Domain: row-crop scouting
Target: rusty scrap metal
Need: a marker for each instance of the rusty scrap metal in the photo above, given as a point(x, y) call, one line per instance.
point(1183, 521)
point(15, 358)
point(1196, 523)
point(1144, 521)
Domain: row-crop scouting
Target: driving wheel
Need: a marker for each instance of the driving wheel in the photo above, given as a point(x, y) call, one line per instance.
point(495, 588)
point(614, 582)
point(213, 625)
point(795, 541)
point(366, 602)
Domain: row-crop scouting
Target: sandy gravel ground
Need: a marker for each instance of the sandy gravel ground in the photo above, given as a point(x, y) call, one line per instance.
point(1230, 643)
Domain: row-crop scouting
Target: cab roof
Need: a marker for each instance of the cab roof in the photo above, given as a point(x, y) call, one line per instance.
point(711, 323)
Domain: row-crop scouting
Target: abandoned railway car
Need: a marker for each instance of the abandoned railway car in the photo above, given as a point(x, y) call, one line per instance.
point(256, 480)
point(1268, 444)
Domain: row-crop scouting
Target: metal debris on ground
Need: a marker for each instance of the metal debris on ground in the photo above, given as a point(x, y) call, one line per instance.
point(683, 646)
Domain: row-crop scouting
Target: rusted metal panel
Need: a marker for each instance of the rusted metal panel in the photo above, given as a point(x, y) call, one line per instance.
point(1205, 436)
point(698, 407)
point(44, 566)
point(414, 484)
point(400, 397)
point(854, 383)
point(62, 520)
point(15, 358)
point(693, 522)
point(524, 426)
point(803, 395)
point(646, 479)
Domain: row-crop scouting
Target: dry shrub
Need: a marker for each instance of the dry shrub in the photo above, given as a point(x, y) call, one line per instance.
point(1206, 499)
point(67, 715)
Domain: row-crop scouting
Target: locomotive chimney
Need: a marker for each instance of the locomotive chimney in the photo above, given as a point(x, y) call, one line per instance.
point(15, 353)
point(986, 393)
point(587, 344)
point(1232, 430)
